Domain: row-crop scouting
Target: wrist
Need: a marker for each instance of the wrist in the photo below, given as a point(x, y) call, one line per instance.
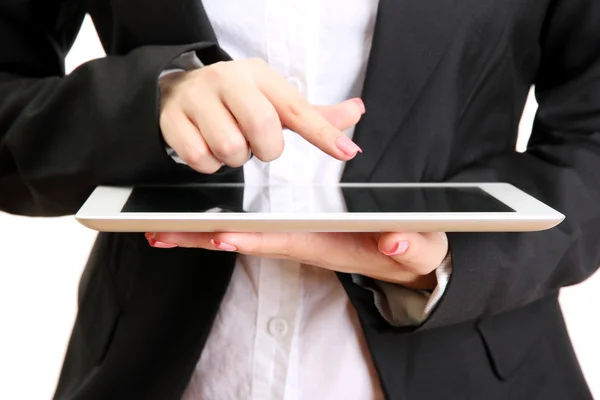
point(409, 280)
point(422, 282)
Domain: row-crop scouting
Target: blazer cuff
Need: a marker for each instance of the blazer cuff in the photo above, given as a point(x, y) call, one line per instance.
point(401, 306)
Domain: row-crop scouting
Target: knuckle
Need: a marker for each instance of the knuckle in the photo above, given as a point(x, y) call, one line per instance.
point(192, 158)
point(253, 69)
point(270, 153)
point(294, 109)
point(215, 72)
point(324, 132)
point(256, 62)
point(196, 104)
point(232, 150)
point(200, 160)
point(287, 246)
point(269, 142)
point(167, 115)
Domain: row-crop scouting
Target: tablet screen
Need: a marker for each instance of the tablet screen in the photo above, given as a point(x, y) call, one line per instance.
point(202, 198)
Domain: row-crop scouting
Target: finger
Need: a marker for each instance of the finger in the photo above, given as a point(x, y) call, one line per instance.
point(420, 253)
point(272, 244)
point(350, 253)
point(307, 248)
point(257, 118)
point(301, 117)
point(267, 245)
point(182, 239)
point(185, 139)
point(262, 244)
point(343, 115)
point(220, 130)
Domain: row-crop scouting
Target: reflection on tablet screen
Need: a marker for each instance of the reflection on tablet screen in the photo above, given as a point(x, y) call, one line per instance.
point(229, 198)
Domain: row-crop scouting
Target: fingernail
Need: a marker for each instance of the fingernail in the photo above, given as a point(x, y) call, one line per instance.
point(160, 245)
point(347, 146)
point(396, 249)
point(360, 103)
point(222, 245)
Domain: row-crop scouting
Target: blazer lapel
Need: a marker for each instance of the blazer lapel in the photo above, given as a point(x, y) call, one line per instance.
point(410, 38)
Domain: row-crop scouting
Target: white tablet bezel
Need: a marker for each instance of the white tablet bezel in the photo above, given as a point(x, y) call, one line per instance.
point(102, 212)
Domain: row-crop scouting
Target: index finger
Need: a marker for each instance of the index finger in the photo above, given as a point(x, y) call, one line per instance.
point(300, 116)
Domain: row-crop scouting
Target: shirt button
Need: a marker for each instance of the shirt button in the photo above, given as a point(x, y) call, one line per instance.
point(295, 82)
point(278, 327)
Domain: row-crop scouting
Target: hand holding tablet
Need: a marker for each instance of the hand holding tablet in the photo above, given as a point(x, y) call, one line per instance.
point(407, 258)
point(383, 225)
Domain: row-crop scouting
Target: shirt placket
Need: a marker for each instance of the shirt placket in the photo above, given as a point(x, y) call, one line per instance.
point(278, 280)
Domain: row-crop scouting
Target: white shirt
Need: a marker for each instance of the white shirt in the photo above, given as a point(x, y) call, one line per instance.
point(285, 330)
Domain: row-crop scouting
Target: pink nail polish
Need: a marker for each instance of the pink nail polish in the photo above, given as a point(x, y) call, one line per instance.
point(222, 245)
point(347, 146)
point(397, 249)
point(360, 104)
point(160, 245)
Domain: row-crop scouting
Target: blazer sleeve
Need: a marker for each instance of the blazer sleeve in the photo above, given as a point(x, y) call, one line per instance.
point(61, 136)
point(493, 273)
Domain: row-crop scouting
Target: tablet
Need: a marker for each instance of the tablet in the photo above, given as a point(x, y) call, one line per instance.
point(350, 207)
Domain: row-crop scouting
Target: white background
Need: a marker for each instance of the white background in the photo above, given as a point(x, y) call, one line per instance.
point(41, 261)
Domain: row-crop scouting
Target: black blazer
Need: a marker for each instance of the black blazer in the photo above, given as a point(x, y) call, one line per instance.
point(445, 88)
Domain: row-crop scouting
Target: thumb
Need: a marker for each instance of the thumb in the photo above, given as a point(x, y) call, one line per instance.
point(343, 115)
point(420, 253)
